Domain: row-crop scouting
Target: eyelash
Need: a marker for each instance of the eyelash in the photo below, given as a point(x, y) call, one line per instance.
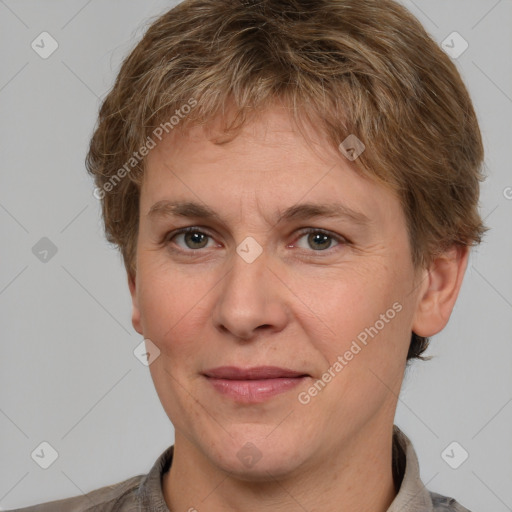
point(306, 231)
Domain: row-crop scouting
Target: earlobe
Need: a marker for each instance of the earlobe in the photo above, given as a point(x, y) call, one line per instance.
point(440, 291)
point(135, 304)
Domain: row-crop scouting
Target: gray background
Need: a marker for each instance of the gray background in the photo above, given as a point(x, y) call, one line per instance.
point(68, 375)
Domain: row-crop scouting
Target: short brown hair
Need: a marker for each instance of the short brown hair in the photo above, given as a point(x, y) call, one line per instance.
point(348, 67)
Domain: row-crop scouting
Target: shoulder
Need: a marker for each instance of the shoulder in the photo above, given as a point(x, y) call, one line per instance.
point(119, 497)
point(444, 503)
point(141, 492)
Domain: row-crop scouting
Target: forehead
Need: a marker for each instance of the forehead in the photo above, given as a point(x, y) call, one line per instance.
point(268, 166)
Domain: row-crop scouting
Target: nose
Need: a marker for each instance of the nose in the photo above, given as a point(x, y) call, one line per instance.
point(251, 300)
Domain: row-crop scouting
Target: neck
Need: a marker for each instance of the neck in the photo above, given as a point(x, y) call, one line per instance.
point(358, 476)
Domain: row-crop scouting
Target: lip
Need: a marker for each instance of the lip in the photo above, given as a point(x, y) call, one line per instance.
point(253, 385)
point(254, 373)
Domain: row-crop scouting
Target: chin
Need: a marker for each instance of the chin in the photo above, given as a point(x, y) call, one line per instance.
point(259, 460)
point(262, 471)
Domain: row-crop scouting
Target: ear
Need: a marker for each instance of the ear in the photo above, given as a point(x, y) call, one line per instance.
point(135, 304)
point(439, 291)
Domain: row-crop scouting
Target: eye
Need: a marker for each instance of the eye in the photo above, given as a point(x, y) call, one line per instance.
point(192, 237)
point(319, 239)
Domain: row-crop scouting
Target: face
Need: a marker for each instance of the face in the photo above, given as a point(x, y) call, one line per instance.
point(283, 329)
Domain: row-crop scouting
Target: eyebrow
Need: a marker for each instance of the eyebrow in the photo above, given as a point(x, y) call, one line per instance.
point(303, 211)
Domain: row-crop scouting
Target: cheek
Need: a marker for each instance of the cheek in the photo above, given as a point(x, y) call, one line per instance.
point(368, 324)
point(171, 307)
point(364, 308)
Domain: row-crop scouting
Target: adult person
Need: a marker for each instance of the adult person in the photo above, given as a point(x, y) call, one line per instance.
point(293, 187)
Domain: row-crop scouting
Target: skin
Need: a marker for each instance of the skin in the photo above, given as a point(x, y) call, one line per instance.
point(299, 305)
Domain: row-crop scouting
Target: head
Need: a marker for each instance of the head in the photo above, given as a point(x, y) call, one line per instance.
point(251, 111)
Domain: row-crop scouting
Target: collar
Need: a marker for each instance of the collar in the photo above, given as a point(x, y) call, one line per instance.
point(412, 496)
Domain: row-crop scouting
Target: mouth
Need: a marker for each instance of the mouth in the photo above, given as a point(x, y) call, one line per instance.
point(253, 385)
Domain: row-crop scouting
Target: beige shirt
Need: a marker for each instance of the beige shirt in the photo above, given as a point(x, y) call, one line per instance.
point(144, 492)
